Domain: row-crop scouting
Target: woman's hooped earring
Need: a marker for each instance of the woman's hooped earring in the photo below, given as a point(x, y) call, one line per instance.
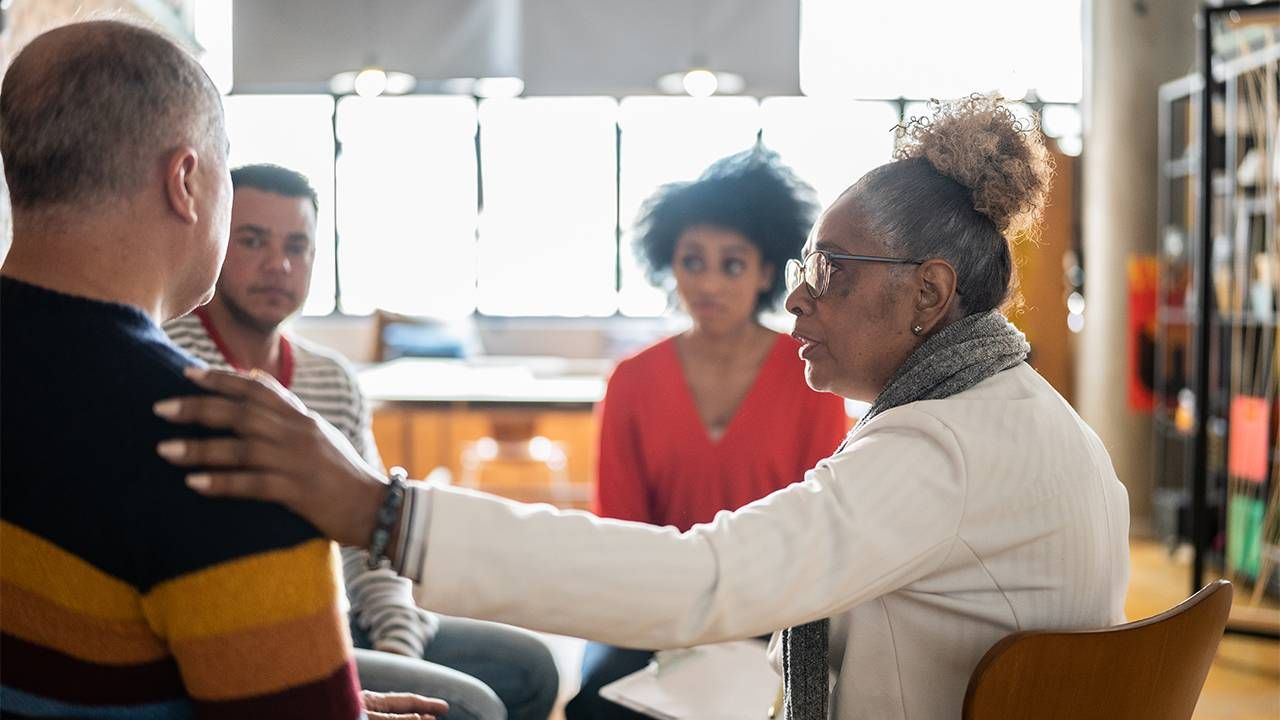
point(917, 330)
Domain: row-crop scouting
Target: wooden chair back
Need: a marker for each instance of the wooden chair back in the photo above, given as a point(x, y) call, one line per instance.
point(1152, 669)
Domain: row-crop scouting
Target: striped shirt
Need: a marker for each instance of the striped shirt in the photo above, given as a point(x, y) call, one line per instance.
point(381, 602)
point(123, 594)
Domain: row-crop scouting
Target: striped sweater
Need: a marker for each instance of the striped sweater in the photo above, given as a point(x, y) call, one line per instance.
point(122, 593)
point(381, 602)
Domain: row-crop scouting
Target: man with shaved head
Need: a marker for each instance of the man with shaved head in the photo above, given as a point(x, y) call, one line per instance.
point(123, 593)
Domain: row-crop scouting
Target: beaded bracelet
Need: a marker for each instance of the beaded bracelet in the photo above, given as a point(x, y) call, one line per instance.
point(386, 518)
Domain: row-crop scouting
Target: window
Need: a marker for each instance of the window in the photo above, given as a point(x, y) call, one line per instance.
point(537, 217)
point(1064, 123)
point(667, 140)
point(407, 205)
point(829, 143)
point(295, 131)
point(548, 233)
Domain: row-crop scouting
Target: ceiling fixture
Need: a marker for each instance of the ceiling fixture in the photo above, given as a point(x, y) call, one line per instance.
point(372, 81)
point(498, 87)
point(701, 82)
point(485, 87)
point(698, 79)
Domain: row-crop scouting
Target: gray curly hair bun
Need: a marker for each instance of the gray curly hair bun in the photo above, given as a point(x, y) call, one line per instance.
point(978, 142)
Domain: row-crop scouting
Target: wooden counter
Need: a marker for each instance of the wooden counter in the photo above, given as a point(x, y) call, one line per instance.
point(427, 412)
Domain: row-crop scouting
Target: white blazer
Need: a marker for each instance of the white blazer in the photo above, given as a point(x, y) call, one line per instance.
point(943, 526)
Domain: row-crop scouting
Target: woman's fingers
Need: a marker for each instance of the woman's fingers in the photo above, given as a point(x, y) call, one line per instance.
point(219, 413)
point(228, 452)
point(256, 388)
point(249, 485)
point(269, 382)
point(402, 703)
point(280, 452)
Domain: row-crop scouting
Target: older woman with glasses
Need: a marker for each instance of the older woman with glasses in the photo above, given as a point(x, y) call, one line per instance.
point(970, 502)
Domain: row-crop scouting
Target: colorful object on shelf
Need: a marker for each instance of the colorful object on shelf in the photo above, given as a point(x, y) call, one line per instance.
point(1142, 270)
point(1250, 432)
point(1244, 534)
point(1184, 416)
point(1262, 292)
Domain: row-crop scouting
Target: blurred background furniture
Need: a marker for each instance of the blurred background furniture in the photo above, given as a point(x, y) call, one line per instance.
point(520, 427)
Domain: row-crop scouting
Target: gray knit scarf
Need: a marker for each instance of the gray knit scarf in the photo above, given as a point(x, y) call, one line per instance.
point(958, 357)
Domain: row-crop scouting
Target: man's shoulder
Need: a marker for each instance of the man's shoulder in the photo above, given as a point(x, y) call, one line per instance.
point(186, 330)
point(322, 375)
point(315, 356)
point(115, 502)
point(191, 533)
point(159, 369)
point(114, 373)
point(189, 334)
point(188, 322)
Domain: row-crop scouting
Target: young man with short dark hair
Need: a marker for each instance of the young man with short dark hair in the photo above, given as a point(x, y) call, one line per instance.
point(483, 670)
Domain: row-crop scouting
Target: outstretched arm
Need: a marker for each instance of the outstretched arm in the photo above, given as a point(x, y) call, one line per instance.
point(864, 523)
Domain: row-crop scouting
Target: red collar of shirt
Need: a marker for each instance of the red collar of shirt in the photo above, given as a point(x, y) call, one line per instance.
point(286, 349)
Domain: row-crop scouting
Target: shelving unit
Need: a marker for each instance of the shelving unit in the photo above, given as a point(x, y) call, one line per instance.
point(1217, 406)
point(1177, 249)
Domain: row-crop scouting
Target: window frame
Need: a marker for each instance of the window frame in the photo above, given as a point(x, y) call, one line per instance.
point(900, 104)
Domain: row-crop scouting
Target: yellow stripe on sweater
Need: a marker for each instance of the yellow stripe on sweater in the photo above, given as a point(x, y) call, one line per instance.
point(33, 563)
point(32, 617)
point(249, 592)
point(265, 660)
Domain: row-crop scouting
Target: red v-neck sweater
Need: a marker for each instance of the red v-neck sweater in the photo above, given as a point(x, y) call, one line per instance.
point(658, 465)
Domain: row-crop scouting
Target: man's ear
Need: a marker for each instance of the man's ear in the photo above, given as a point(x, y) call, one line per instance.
point(180, 183)
point(937, 291)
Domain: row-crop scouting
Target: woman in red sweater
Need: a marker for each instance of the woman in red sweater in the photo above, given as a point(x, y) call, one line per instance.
point(720, 415)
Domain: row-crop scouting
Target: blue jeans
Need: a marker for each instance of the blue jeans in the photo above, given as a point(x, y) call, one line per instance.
point(468, 698)
point(601, 665)
point(483, 670)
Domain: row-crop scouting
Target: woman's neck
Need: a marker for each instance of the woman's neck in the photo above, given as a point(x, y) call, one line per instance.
point(728, 346)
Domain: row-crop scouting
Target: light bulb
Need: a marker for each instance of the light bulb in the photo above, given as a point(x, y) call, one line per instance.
point(700, 83)
point(498, 87)
point(371, 82)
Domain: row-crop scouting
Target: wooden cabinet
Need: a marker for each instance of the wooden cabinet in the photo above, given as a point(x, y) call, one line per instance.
point(489, 448)
point(522, 428)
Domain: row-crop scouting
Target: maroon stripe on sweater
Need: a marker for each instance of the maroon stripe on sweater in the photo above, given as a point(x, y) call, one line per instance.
point(38, 670)
point(337, 696)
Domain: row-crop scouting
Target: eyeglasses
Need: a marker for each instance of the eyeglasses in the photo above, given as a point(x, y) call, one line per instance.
point(815, 270)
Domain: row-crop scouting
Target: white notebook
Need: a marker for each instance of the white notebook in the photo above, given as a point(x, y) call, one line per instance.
point(732, 680)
